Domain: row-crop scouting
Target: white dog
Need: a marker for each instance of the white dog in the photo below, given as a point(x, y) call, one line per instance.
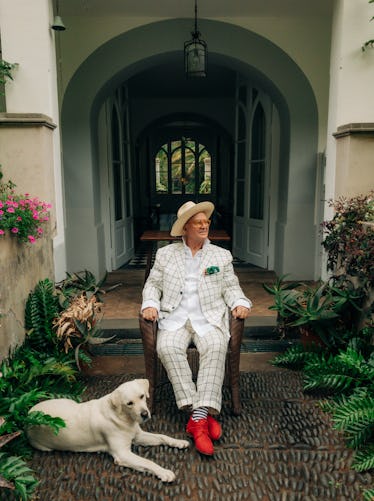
point(109, 424)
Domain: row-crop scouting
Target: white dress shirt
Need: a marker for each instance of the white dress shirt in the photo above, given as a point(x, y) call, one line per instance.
point(189, 308)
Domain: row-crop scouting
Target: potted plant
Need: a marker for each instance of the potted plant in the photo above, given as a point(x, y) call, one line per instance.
point(321, 313)
point(78, 326)
point(349, 244)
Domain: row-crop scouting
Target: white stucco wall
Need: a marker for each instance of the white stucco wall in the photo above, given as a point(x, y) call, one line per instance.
point(27, 40)
point(352, 76)
point(294, 35)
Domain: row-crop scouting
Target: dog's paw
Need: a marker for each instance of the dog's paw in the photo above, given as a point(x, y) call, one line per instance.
point(166, 475)
point(180, 444)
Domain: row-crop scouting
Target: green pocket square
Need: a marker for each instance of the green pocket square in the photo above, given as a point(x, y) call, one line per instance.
point(211, 270)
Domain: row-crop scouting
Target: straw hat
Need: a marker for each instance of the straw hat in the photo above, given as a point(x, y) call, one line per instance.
point(186, 211)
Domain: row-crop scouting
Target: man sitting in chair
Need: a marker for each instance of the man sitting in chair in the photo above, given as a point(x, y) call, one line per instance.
point(189, 290)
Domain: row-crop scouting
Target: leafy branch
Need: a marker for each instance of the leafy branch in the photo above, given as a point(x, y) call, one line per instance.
point(6, 72)
point(369, 43)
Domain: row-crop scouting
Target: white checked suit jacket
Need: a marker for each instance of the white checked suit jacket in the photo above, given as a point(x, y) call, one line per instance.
point(217, 291)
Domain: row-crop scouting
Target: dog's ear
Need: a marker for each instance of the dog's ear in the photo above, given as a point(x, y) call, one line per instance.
point(116, 400)
point(145, 384)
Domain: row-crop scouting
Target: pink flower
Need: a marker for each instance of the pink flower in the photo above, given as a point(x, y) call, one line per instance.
point(19, 218)
point(39, 230)
point(10, 209)
point(14, 230)
point(31, 239)
point(1, 212)
point(2, 232)
point(1, 204)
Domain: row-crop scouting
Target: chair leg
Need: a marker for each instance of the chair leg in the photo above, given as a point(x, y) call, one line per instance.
point(234, 383)
point(236, 329)
point(148, 331)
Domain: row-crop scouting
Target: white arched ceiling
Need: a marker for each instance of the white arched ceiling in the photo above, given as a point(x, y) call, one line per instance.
point(241, 50)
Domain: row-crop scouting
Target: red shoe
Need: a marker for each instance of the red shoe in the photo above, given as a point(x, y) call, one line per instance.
point(214, 428)
point(199, 431)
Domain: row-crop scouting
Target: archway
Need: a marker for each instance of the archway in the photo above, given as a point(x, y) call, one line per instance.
point(264, 64)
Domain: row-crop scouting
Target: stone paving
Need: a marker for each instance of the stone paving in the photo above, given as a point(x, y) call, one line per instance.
point(282, 448)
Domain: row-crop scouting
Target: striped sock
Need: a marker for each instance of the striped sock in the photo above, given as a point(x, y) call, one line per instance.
point(200, 413)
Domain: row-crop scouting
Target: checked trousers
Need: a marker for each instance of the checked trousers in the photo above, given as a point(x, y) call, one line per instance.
point(212, 348)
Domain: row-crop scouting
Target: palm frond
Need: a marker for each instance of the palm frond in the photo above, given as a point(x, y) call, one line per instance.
point(355, 416)
point(294, 358)
point(368, 495)
point(364, 459)
point(330, 382)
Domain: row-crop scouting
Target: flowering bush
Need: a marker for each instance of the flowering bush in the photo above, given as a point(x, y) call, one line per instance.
point(21, 215)
point(349, 244)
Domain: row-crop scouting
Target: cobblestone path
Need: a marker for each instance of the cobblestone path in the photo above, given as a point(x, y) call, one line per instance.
point(282, 448)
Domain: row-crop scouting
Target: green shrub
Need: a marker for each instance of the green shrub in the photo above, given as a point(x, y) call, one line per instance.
point(348, 378)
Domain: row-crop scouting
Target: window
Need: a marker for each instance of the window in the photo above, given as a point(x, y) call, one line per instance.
point(183, 166)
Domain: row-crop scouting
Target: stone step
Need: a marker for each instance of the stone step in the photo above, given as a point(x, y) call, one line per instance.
point(254, 327)
point(260, 335)
point(134, 346)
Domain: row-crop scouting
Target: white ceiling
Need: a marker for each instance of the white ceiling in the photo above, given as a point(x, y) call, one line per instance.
point(206, 8)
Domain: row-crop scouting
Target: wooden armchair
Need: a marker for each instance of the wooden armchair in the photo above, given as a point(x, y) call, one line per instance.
point(155, 372)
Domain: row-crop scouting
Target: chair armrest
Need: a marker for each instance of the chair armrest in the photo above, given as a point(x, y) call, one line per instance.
point(148, 330)
point(236, 327)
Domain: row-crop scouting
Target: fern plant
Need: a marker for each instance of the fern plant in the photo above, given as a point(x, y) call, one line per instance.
point(364, 459)
point(41, 309)
point(296, 357)
point(338, 373)
point(15, 475)
point(355, 416)
point(348, 377)
point(369, 494)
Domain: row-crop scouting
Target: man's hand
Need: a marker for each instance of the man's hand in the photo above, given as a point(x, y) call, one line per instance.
point(150, 314)
point(240, 312)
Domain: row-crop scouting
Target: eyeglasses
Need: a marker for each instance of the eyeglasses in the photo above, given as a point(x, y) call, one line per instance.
point(200, 222)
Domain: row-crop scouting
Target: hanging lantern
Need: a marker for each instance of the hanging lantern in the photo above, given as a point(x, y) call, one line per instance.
point(195, 53)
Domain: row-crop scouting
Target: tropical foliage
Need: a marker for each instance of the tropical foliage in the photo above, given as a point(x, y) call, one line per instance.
point(366, 45)
point(347, 381)
point(349, 243)
point(340, 311)
point(5, 72)
point(78, 325)
point(75, 284)
point(27, 377)
point(41, 369)
point(329, 309)
point(14, 473)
